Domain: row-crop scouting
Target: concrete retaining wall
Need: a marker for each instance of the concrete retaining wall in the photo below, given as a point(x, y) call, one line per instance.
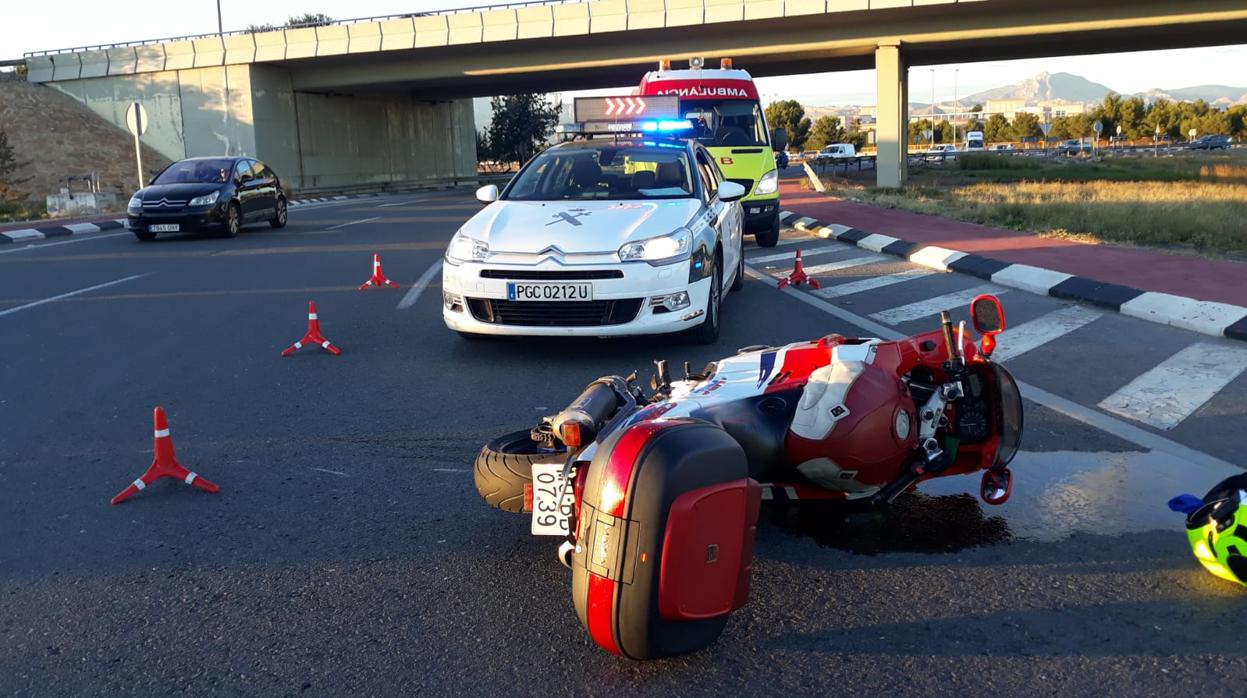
point(311, 140)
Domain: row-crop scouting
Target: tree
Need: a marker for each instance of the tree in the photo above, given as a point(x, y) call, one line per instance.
point(944, 132)
point(826, 131)
point(976, 109)
point(309, 19)
point(1026, 125)
point(520, 126)
point(9, 166)
point(997, 129)
point(918, 130)
point(259, 28)
point(789, 115)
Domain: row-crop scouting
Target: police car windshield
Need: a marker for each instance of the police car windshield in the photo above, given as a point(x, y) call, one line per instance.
point(611, 171)
point(197, 171)
point(726, 122)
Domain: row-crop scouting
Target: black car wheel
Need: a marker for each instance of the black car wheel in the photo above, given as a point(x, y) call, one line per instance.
point(233, 220)
point(145, 235)
point(279, 216)
point(708, 331)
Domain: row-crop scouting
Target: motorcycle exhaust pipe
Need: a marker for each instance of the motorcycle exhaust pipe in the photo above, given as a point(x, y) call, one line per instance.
point(579, 422)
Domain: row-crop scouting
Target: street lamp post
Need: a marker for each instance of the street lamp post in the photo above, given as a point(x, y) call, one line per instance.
point(956, 105)
point(220, 28)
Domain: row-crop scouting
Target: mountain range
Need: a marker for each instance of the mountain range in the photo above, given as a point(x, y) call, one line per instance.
point(1075, 88)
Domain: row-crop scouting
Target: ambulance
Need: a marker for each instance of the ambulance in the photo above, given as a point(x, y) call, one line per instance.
point(729, 121)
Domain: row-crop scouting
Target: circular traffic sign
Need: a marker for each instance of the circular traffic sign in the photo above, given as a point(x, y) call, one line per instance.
point(136, 119)
point(1098, 126)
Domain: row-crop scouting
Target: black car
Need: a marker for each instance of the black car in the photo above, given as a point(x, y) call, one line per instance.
point(1210, 142)
point(212, 193)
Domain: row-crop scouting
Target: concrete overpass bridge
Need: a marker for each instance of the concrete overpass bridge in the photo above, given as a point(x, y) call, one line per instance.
point(385, 98)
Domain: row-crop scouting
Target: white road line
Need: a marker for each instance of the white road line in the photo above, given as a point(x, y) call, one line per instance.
point(1166, 395)
point(805, 254)
point(931, 306)
point(412, 295)
point(450, 470)
point(1015, 341)
point(872, 283)
point(1099, 420)
point(832, 266)
point(71, 293)
point(85, 238)
point(331, 472)
point(362, 220)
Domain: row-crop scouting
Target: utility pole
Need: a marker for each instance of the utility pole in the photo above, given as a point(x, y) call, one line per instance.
point(220, 28)
point(932, 106)
point(956, 105)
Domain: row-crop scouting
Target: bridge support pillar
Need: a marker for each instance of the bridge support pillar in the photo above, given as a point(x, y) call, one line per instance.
point(892, 115)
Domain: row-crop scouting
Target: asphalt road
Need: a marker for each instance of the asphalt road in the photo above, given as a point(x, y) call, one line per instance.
point(348, 551)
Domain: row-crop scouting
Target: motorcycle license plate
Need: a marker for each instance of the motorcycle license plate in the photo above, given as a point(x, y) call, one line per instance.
point(553, 500)
point(164, 228)
point(549, 292)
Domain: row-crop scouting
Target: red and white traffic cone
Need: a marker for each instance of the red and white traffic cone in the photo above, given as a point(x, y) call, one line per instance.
point(378, 277)
point(313, 335)
point(165, 464)
point(798, 277)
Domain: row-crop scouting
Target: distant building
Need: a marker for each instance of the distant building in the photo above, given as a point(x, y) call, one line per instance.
point(1008, 107)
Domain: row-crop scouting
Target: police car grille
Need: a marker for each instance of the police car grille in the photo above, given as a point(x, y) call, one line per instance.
point(535, 275)
point(555, 313)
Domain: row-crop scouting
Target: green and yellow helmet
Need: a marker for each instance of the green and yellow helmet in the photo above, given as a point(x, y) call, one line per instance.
point(1217, 530)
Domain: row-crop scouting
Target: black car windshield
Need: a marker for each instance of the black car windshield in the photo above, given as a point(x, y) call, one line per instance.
point(610, 171)
point(726, 122)
point(197, 171)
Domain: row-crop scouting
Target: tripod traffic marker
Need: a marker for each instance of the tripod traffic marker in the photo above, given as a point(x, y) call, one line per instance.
point(313, 335)
point(378, 277)
point(798, 277)
point(165, 464)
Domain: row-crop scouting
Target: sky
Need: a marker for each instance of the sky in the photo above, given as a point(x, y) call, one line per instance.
point(27, 26)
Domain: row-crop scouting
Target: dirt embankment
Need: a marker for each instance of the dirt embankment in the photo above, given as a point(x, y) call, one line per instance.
point(61, 137)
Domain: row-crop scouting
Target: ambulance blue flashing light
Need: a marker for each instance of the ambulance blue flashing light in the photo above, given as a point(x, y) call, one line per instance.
point(666, 126)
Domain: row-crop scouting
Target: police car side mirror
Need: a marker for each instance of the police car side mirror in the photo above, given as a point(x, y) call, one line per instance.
point(730, 191)
point(487, 194)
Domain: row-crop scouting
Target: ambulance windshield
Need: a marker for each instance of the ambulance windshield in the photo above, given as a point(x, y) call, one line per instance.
point(726, 122)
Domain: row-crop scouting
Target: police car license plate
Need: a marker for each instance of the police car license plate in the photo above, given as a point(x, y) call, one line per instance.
point(553, 500)
point(549, 292)
point(164, 228)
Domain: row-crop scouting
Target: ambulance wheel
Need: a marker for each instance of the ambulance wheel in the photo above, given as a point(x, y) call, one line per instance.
point(505, 466)
point(769, 238)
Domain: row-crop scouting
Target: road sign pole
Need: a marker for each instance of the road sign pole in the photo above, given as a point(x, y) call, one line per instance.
point(138, 158)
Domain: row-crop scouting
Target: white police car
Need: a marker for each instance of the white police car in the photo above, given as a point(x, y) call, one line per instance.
point(619, 235)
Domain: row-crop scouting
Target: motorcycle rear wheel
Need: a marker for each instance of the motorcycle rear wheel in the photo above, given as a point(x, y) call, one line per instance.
point(505, 466)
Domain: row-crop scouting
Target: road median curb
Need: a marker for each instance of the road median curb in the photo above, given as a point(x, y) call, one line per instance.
point(1205, 317)
point(57, 231)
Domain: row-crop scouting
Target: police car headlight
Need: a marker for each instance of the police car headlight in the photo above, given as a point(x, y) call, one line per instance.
point(465, 249)
point(660, 250)
point(769, 184)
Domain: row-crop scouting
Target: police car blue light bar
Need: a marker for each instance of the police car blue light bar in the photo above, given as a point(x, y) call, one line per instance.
point(629, 114)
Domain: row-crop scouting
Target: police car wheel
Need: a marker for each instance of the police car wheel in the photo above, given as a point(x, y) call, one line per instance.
point(708, 331)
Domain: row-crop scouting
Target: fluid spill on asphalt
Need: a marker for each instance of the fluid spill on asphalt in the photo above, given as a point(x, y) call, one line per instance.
point(1056, 494)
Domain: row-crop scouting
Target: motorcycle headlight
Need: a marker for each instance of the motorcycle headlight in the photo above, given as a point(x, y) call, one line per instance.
point(660, 250)
point(135, 204)
point(465, 249)
point(205, 200)
point(769, 183)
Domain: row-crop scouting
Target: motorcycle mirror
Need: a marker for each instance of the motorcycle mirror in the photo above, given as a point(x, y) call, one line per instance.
point(988, 315)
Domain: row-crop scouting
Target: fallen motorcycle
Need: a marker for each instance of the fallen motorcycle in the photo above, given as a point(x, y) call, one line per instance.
point(657, 496)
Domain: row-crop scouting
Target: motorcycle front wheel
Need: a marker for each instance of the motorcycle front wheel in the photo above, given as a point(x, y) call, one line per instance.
point(504, 467)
